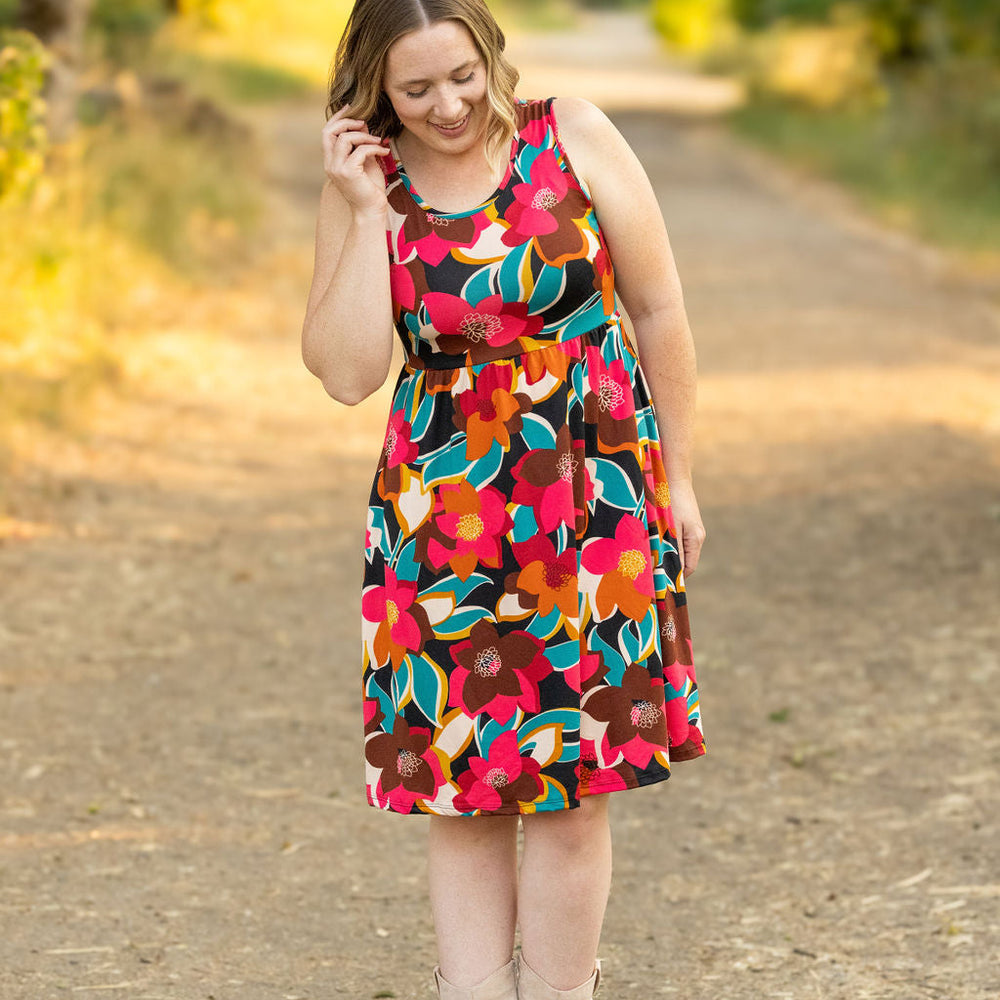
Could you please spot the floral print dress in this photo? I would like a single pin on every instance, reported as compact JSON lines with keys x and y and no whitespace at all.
{"x":525,"y":627}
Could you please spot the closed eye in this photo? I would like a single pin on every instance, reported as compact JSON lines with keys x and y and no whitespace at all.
{"x":420,"y":93}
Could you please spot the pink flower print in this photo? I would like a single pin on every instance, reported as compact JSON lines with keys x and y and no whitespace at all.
{"x":502,"y":779}
{"x":466,"y":528}
{"x":497,"y":674}
{"x":684,"y":737}
{"x":624,"y":565}
{"x":610,"y":385}
{"x":398,"y":448}
{"x":532,"y":214}
{"x":432,"y":237}
{"x":534,"y":132}
{"x":402,"y":625}
{"x":595,"y":779}
{"x":459,"y":326}
{"x":401,"y":286}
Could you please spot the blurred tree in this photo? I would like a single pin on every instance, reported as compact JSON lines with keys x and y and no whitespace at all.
{"x":125,"y":28}
{"x":23,"y":60}
{"x":59,"y":25}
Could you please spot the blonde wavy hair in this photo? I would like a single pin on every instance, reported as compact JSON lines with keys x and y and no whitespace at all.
{"x":359,"y":66}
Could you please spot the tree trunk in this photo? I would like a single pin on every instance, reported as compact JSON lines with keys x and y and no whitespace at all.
{"x":59,"y":25}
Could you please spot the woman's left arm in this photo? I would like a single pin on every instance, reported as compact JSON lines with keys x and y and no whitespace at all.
{"x":647,"y":282}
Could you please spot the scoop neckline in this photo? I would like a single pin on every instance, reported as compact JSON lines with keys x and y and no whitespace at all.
{"x":426,"y":207}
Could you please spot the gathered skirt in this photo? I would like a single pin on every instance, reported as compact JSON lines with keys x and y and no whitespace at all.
{"x":526,"y":640}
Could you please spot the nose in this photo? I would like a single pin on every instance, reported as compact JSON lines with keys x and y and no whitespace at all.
{"x":449,"y":107}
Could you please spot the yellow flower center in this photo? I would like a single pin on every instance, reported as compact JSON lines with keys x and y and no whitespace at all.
{"x":631,"y":563}
{"x":391,"y":612}
{"x":470,"y":527}
{"x":662,"y":495}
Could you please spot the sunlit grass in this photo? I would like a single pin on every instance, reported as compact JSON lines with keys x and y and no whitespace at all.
{"x":144,"y":207}
{"x":901,"y":166}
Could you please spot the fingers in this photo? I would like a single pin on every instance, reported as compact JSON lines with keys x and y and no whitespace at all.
{"x":348,"y":148}
{"x":690,"y":543}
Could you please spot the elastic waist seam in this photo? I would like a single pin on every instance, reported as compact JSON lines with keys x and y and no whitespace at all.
{"x":461,"y":361}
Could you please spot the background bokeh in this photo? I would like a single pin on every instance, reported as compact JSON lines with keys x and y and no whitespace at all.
{"x":182,"y":507}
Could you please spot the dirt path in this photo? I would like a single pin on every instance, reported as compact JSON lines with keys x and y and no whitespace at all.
{"x":179,"y":735}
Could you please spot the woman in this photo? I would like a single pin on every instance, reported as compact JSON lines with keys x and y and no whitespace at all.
{"x":526,"y":641}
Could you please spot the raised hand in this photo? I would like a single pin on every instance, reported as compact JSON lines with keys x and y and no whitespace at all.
{"x":349,"y":152}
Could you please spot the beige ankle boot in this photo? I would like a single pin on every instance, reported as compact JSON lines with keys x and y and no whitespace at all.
{"x":531,"y":986}
{"x":501,"y":985}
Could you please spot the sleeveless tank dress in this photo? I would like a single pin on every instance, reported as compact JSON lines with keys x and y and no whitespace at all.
{"x":525,"y":627}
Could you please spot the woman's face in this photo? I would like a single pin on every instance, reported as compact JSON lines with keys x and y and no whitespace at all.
{"x":436,"y":81}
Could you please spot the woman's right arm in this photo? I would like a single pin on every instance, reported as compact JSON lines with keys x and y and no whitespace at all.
{"x":347,"y":334}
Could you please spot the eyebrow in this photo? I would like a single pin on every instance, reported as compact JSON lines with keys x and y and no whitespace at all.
{"x":457,"y":69}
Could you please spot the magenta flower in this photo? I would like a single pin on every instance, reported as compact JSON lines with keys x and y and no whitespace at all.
{"x":398,"y":448}
{"x":432,"y":237}
{"x":401,"y":625}
{"x":624,"y":565}
{"x":503,"y":778}
{"x":595,"y":780}
{"x":401,"y":285}
{"x":458,"y":326}
{"x":531,"y":213}
{"x":552,"y":482}
{"x":610,"y":385}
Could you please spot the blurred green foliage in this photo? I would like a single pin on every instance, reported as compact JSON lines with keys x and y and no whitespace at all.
{"x":124,"y":29}
{"x":902,"y":29}
{"x":23,"y":61}
{"x":899,"y":98}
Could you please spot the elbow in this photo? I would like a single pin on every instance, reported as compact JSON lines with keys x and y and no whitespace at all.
{"x":345,"y":387}
{"x":349,"y":395}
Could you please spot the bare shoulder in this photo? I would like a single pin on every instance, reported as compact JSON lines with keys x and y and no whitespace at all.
{"x":580,"y":122}
{"x":590,"y":139}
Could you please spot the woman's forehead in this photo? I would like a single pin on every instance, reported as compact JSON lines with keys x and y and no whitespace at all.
{"x":430,"y":53}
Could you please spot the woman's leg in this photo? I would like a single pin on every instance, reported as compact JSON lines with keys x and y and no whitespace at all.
{"x":565,"y":880}
{"x":472,"y":875}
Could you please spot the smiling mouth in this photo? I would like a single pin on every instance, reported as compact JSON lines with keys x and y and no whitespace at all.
{"x":453,"y":127}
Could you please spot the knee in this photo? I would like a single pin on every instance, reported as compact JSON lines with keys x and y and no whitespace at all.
{"x":573,"y":832}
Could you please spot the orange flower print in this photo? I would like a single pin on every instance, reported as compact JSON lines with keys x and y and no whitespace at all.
{"x":402,"y":625}
{"x":489,"y":411}
{"x":546,"y":580}
{"x":552,"y":360}
{"x":624,"y":565}
{"x":657,"y":492}
{"x":466,"y":528}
